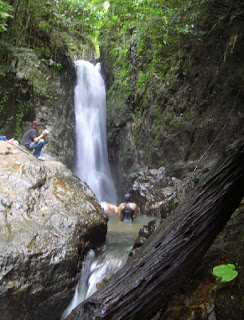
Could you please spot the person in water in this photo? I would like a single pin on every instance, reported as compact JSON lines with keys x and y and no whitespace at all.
{"x":108,"y":207}
{"x":127,"y":210}
{"x":34,"y":142}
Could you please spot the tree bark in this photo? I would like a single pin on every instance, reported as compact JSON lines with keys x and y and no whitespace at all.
{"x":166,"y":261}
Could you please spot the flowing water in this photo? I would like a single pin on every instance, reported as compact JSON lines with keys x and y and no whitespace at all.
{"x":92,"y":166}
{"x":102,"y":264}
{"x":91,"y":163}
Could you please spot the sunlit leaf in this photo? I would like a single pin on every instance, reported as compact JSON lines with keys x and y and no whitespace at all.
{"x":226,"y":272}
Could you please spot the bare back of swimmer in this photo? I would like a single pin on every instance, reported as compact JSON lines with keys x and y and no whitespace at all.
{"x":127,"y":210}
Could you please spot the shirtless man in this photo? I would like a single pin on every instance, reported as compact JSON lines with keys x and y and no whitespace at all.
{"x":127,"y":210}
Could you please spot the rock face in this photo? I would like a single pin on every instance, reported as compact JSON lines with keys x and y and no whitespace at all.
{"x":172,"y":119}
{"x":48,"y":220}
{"x":46,"y":96}
{"x":58,"y":116}
{"x":154,"y":191}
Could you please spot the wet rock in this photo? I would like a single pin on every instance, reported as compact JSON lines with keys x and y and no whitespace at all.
{"x":155,"y":191}
{"x":144,"y":234}
{"x":48,"y":220}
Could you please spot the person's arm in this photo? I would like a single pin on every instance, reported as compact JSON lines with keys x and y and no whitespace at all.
{"x":112,"y":207}
{"x":120,"y":208}
{"x":136,"y":212}
{"x":41,"y":136}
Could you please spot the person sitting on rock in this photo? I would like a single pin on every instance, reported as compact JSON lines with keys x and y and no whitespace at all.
{"x":33,"y":142}
{"x":108,"y":207}
{"x":127,"y":210}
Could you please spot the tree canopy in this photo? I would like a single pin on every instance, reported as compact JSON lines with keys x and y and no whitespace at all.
{"x":148,"y":39}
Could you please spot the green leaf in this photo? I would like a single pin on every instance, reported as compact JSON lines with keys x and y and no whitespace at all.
{"x":226,"y":272}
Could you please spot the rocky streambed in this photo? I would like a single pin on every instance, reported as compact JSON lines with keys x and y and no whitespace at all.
{"x":49,"y":219}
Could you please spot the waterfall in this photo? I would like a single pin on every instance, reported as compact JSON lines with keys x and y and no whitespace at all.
{"x":91,"y":165}
{"x":91,"y":161}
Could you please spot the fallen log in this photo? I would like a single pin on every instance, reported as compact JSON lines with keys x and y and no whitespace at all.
{"x":168,"y":258}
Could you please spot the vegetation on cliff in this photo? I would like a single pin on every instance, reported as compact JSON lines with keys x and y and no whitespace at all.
{"x":173,"y":70}
{"x":38,"y":41}
{"x":149,"y":49}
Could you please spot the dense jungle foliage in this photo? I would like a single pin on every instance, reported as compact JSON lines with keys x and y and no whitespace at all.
{"x":162,"y":61}
{"x":37,"y":40}
{"x":148,"y":39}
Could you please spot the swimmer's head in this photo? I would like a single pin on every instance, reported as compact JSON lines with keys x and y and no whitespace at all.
{"x":127,"y":197}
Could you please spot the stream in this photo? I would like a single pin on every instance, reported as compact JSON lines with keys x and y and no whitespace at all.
{"x":102,"y":264}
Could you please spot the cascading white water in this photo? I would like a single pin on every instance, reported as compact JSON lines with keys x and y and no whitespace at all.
{"x":91,"y":163}
{"x":92,"y":166}
{"x":100,"y":266}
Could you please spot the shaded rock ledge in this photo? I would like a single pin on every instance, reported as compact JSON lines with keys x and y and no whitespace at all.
{"x":48,"y":220}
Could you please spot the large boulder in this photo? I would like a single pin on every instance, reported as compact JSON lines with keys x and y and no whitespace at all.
{"x":49,"y":219}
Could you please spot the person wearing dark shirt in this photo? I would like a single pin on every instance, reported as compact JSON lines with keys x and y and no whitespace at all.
{"x":127,"y":210}
{"x":32,"y":141}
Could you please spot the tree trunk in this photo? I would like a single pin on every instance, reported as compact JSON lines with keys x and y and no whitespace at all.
{"x":166,"y":261}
